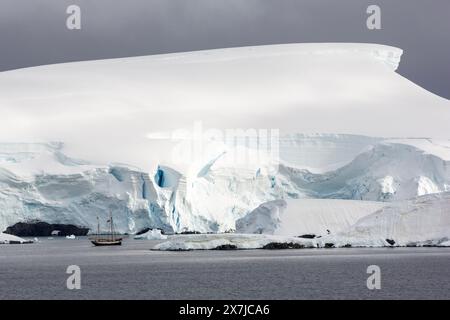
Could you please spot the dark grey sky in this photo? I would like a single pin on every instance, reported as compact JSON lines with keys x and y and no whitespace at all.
{"x":33,"y":32}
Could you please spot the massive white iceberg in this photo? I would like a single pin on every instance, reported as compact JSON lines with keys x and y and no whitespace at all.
{"x":117,"y":123}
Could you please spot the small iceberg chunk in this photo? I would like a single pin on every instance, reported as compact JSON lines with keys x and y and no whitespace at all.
{"x":153,"y":234}
{"x":10,"y":239}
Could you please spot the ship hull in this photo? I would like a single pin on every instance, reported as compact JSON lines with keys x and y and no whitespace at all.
{"x":100,"y":243}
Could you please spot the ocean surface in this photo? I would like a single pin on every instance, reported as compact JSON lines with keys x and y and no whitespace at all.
{"x":133,"y":271}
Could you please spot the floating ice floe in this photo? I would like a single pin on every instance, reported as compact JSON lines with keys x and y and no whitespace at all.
{"x":230,"y":241}
{"x":10,"y":239}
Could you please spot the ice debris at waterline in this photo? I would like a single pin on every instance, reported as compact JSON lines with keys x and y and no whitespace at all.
{"x":270,"y":242}
{"x":228,"y":240}
{"x":10,"y":239}
{"x":153,"y":234}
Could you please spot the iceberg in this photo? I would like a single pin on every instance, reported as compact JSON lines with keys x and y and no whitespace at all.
{"x":80,"y":140}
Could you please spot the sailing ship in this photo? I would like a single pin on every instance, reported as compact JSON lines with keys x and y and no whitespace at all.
{"x":109,"y":239}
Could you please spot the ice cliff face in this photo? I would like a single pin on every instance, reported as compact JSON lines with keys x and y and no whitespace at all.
{"x":116,"y":120}
{"x":39,"y":182}
{"x":387,"y":171}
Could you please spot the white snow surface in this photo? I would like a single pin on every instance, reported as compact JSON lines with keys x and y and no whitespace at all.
{"x":296,"y":217}
{"x":107,"y":109}
{"x":424,"y":220}
{"x":420,"y":221}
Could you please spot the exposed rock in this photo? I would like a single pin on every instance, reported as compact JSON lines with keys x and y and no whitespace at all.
{"x":283,"y":245}
{"x":390,"y":241}
{"x":189,"y":232}
{"x":226,"y":247}
{"x":142,"y":231}
{"x":145,"y":230}
{"x":44,"y":229}
{"x":20,"y":242}
{"x":307,"y":236}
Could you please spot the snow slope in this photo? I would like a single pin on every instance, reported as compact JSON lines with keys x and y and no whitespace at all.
{"x":296,"y":217}
{"x":424,"y":220}
{"x":420,"y":221}
{"x":107,"y":109}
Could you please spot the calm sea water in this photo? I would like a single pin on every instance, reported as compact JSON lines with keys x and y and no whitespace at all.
{"x":132,"y":271}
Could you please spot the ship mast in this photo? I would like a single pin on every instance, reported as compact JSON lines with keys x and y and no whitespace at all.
{"x":98,"y":227}
{"x":110,"y":226}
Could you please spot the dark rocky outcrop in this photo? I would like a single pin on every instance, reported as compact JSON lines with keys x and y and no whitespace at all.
{"x":147,"y":230}
{"x":226,"y":247}
{"x":390,"y":241}
{"x":142,"y":231}
{"x":329,"y":245}
{"x":283,"y":245}
{"x":307,"y":236}
{"x":44,"y":229}
{"x":20,"y":242}
{"x":191,"y":232}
